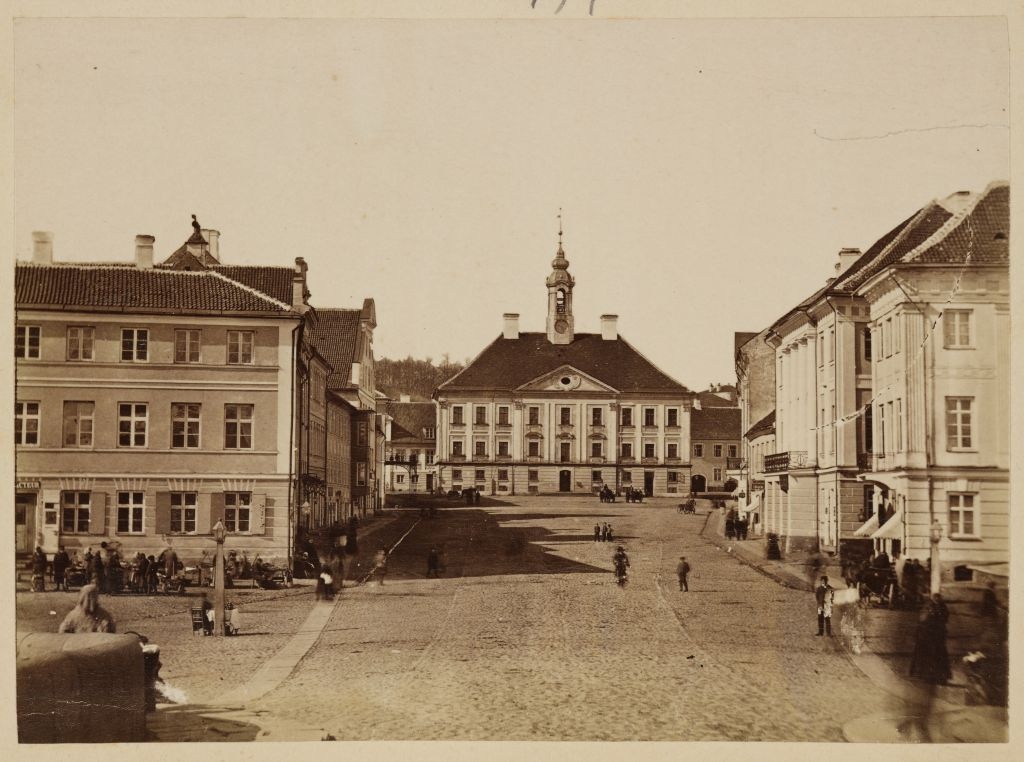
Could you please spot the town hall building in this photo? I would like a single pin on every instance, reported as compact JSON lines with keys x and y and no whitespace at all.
{"x":562,"y":411}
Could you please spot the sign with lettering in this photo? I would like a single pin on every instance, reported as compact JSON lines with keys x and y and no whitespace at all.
{"x":757,"y":485}
{"x":27,"y":484}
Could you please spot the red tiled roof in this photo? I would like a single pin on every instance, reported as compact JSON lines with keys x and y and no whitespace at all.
{"x":984,"y":233}
{"x":410,"y":418}
{"x":275,"y":282}
{"x":133,"y":288}
{"x":335,"y":334}
{"x":507,"y":364}
{"x":715,"y":423}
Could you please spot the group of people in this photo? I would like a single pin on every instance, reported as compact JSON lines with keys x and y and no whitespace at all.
{"x":634,"y":495}
{"x":105,"y":569}
{"x":602,"y":532}
{"x":736,"y":526}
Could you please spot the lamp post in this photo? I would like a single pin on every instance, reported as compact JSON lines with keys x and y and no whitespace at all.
{"x":219,"y":534}
{"x":936,"y":536}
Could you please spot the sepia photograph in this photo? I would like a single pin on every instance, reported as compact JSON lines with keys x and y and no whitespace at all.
{"x":545,"y":371}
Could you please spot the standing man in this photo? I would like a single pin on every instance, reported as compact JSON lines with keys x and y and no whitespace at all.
{"x":380,"y":565}
{"x":824,"y":594}
{"x":597,"y":533}
{"x":433,"y":562}
{"x":683,"y":571}
{"x":61,"y":562}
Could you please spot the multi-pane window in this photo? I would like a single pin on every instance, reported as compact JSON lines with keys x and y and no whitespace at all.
{"x":673,"y":477}
{"x":187,"y":342}
{"x":80,"y":342}
{"x":457,"y":447}
{"x":26,"y":342}
{"x":673,"y":416}
{"x":717,"y":475}
{"x":362,"y":433}
{"x":627,"y":477}
{"x":183,"y":512}
{"x":26,"y":423}
{"x":959,"y":435}
{"x":698,"y":450}
{"x":956,"y":328}
{"x":361,"y":474}
{"x":595,"y":476}
{"x":627,"y":416}
{"x":534,"y":415}
{"x":130,"y":508}
{"x":132,"y":420}
{"x":963,"y":519}
{"x":480,"y":448}
{"x":503,"y":416}
{"x":78,"y":423}
{"x":238,"y":427}
{"x":717,"y":450}
{"x":457,"y":414}
{"x":502,"y":474}
{"x":457,"y":474}
{"x":649,"y":450}
{"x":240,"y":345}
{"x":400,"y":478}
{"x":595,"y":449}
{"x":627,"y":450}
{"x":185,"y":424}
{"x":134,"y":344}
{"x":672,"y":450}
{"x":503,"y":447}
{"x":428,"y":456}
{"x":596,"y":418}
{"x":74,"y":512}
{"x":479,"y":474}
{"x":732,"y":451}
{"x":533,"y":448}
{"x":533,"y":475}
{"x":480,"y":415}
{"x":565,"y":415}
{"x":867,"y":344}
{"x":565,"y":452}
{"x":649,"y":416}
{"x":430,"y":432}
{"x":237,"y":507}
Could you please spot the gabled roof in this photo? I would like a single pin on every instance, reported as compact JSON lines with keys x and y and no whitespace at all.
{"x":715,"y":423}
{"x":124,"y":288}
{"x":184,"y":259}
{"x":273,"y":281}
{"x":507,"y":364}
{"x":410,"y":418}
{"x":765,"y":426}
{"x":335,"y":334}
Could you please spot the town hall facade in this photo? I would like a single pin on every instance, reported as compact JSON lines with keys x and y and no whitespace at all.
{"x":562,"y":411}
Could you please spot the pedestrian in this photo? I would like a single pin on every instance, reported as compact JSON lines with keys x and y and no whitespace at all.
{"x":610,"y":533}
{"x":930,"y":661}
{"x":207,"y":607}
{"x":597,"y":533}
{"x":324,"y":584}
{"x":683,"y":572}
{"x":824,"y":595}
{"x":142,"y":574}
{"x":88,"y":615}
{"x":38,"y":570}
{"x":476,"y":497}
{"x":380,"y":565}
{"x":151,"y":575}
{"x":433,"y":562}
{"x":97,"y":573}
{"x":604,"y":532}
{"x":61,"y":562}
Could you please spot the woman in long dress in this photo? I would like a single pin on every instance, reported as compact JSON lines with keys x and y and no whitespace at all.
{"x":88,"y":615}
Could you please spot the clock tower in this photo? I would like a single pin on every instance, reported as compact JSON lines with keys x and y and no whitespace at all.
{"x":560,"y":282}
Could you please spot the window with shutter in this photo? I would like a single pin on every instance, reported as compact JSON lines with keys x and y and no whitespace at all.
{"x":258,"y":514}
{"x":98,"y":513}
{"x":203,"y":523}
{"x":216,"y":509}
{"x":163,"y":513}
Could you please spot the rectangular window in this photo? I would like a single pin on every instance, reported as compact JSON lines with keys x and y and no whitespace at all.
{"x":237,"y":510}
{"x":898,"y":423}
{"x":959,"y":434}
{"x":595,"y":450}
{"x":361,"y":474}
{"x":565,"y":452}
{"x":534,"y":416}
{"x":533,"y":448}
{"x":183,"y":512}
{"x":428,"y":456}
{"x":732,"y":451}
{"x":881,"y":428}
{"x":595,"y":476}
{"x":457,"y":415}
{"x":503,"y":447}
{"x":963,"y":519}
{"x":627,"y":450}
{"x":78,"y":423}
{"x":185,"y":424}
{"x":698,"y":450}
{"x":503,"y":416}
{"x":627,"y":416}
{"x":887,"y":337}
{"x":457,"y":447}
{"x":502,"y":474}
{"x":240,"y":345}
{"x":718,"y":450}
{"x":186,"y":345}
{"x":400,"y":478}
{"x":480,"y":448}
{"x":479,"y":475}
{"x":362,"y":433}
{"x":238,"y":427}
{"x":565,"y":416}
{"x":627,"y":477}
{"x":869,"y":428}
{"x":832,"y":345}
{"x":481,"y":415}
{"x":867,"y":344}
{"x":649,"y":416}
{"x":673,"y":416}
{"x":80,"y":342}
{"x":134,"y":345}
{"x":956,"y":328}
{"x":717,"y":474}
{"x":26,"y":342}
{"x":672,"y":450}
{"x":74,"y":512}
{"x":649,"y":450}
{"x":896,"y":340}
{"x":673,"y":477}
{"x":457,"y":474}
{"x":130,"y":508}
{"x":430,"y":432}
{"x":821,"y":350}
{"x":132,"y":424}
{"x":596,"y":418}
{"x":533,"y":475}
{"x":26,"y":423}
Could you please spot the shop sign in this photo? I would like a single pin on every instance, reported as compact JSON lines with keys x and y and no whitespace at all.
{"x":28,"y":484}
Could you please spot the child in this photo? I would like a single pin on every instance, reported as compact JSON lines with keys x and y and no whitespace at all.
{"x":325,"y":585}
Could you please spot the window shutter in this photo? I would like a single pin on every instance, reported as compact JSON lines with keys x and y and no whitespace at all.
{"x":216,"y":508}
{"x":163,"y":513}
{"x":203,"y":524}
{"x":98,"y":513}
{"x":258,"y":514}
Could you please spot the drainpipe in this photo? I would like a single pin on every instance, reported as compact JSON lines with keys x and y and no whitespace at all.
{"x":835,"y":426}
{"x":291,"y":437}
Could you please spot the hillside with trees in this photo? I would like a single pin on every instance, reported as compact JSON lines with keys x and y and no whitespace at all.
{"x":417,"y":378}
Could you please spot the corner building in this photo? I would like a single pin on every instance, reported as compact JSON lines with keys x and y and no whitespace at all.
{"x":562,"y":412}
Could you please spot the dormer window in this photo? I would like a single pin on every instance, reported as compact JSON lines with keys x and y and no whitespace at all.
{"x":560,"y":301}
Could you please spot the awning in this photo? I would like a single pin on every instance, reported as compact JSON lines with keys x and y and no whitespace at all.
{"x":868,"y":526}
{"x":892,"y":529}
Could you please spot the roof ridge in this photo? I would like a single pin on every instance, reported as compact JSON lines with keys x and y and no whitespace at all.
{"x":250,"y":289}
{"x":896,"y":240}
{"x":620,"y":337}
{"x":948,"y":226}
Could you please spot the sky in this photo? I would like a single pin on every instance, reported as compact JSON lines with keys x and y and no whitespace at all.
{"x":707,"y":171}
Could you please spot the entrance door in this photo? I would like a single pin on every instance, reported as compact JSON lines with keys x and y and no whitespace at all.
{"x":649,"y":483}
{"x":24,"y":509}
{"x":564,"y":481}
{"x":698,"y":483}
{"x":430,"y":482}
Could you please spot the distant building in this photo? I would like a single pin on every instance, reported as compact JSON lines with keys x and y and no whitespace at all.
{"x":563,"y":411}
{"x":755,"y":384}
{"x":715,"y":437}
{"x":410,"y":464}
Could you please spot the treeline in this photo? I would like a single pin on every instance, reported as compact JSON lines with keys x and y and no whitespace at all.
{"x":417,"y":378}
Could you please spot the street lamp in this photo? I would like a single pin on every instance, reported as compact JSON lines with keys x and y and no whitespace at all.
{"x":219,"y":534}
{"x":936,"y":536}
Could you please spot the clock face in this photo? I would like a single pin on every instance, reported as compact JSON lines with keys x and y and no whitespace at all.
{"x":561,"y":326}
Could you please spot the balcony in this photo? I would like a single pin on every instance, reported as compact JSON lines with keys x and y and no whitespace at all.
{"x":734,"y":464}
{"x":779,"y":462}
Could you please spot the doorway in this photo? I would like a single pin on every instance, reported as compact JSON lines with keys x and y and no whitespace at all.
{"x":649,"y":483}
{"x":24,"y":511}
{"x":564,"y":481}
{"x":698,"y":483}
{"x":430,"y":483}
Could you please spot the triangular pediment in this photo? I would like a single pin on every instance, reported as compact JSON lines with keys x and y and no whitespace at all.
{"x":566,"y":379}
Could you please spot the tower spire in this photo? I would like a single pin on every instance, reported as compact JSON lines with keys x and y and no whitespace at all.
{"x":560,"y":283}
{"x":560,"y":231}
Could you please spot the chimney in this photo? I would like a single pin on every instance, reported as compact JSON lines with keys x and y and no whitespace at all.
{"x":42,"y":248}
{"x":404,"y":398}
{"x":511,"y":330}
{"x":609,"y":327}
{"x":213,"y":238}
{"x":144,"y":252}
{"x":299,"y":292}
{"x":846,"y":258}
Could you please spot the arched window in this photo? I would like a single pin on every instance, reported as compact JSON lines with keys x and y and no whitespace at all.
{"x":560,"y":301}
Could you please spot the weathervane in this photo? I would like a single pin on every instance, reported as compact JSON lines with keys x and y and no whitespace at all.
{"x":559,"y":227}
